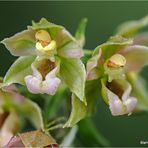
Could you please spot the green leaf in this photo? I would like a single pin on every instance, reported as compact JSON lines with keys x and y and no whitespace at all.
{"x":33,"y":112}
{"x":21,"y":44}
{"x":72,"y":72}
{"x":130,"y":28}
{"x":19,"y":69}
{"x":78,"y":112}
{"x":80,"y":33}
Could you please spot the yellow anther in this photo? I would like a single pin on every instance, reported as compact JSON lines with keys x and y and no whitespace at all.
{"x":49,"y":47}
{"x":43,"y":37}
{"x":116,"y":61}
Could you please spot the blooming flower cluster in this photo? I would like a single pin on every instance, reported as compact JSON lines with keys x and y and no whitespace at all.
{"x":49,"y":56}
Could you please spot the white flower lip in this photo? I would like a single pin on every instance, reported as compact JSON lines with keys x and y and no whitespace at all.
{"x":122,"y":106}
{"x":36,"y":84}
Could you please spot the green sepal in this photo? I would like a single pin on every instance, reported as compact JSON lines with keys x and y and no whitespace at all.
{"x":18,"y":70}
{"x":80,"y":32}
{"x":72,"y":72}
{"x":78,"y":112}
{"x":130,"y":28}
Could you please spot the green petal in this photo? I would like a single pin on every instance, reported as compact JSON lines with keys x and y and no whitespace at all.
{"x":71,"y":50}
{"x":92,"y":93}
{"x":113,"y":45}
{"x":130,"y":28}
{"x":72,"y":72}
{"x":19,"y":69}
{"x":136,"y":57}
{"x":141,"y":39}
{"x":80,"y":33}
{"x":21,"y":44}
{"x":32,"y":111}
{"x":78,"y":112}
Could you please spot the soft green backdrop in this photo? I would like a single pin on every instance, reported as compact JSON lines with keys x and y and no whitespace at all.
{"x":103,"y":17}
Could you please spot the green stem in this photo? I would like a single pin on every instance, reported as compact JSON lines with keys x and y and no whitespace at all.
{"x":55,"y":121}
{"x":138,"y":89}
{"x":88,"y":52}
{"x":55,"y":127}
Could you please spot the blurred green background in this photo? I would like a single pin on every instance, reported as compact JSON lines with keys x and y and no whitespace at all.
{"x":103,"y":17}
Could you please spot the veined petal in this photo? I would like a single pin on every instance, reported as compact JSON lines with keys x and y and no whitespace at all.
{"x":92,"y":65}
{"x":21,"y":44}
{"x":130,"y":28}
{"x":136,"y":57}
{"x":141,"y":39}
{"x":71,"y":50}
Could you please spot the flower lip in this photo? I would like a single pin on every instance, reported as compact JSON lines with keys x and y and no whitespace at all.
{"x":45,"y":67}
{"x":118,"y":97}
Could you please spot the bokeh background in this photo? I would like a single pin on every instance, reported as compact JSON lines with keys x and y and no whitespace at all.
{"x":103,"y":17}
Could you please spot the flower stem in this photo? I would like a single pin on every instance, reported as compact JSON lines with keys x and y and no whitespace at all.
{"x":88,"y":52}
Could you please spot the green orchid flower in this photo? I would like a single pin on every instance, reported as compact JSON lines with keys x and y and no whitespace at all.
{"x":112,"y":63}
{"x":12,"y":105}
{"x":49,"y":55}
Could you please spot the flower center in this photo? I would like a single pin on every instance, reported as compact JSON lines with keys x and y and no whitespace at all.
{"x":116,"y":61}
{"x":43,"y":37}
{"x":44,"y":43}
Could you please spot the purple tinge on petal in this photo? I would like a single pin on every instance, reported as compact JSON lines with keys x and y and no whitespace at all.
{"x":130,"y":104}
{"x":92,"y":64}
{"x":33,"y":84}
{"x":48,"y":86}
{"x":51,"y":82}
{"x":136,"y":57}
{"x":115,"y":104}
{"x":120,"y":102}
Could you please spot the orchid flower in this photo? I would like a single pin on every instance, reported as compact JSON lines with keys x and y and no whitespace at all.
{"x":12,"y":103}
{"x":49,"y":55}
{"x":111,"y":63}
